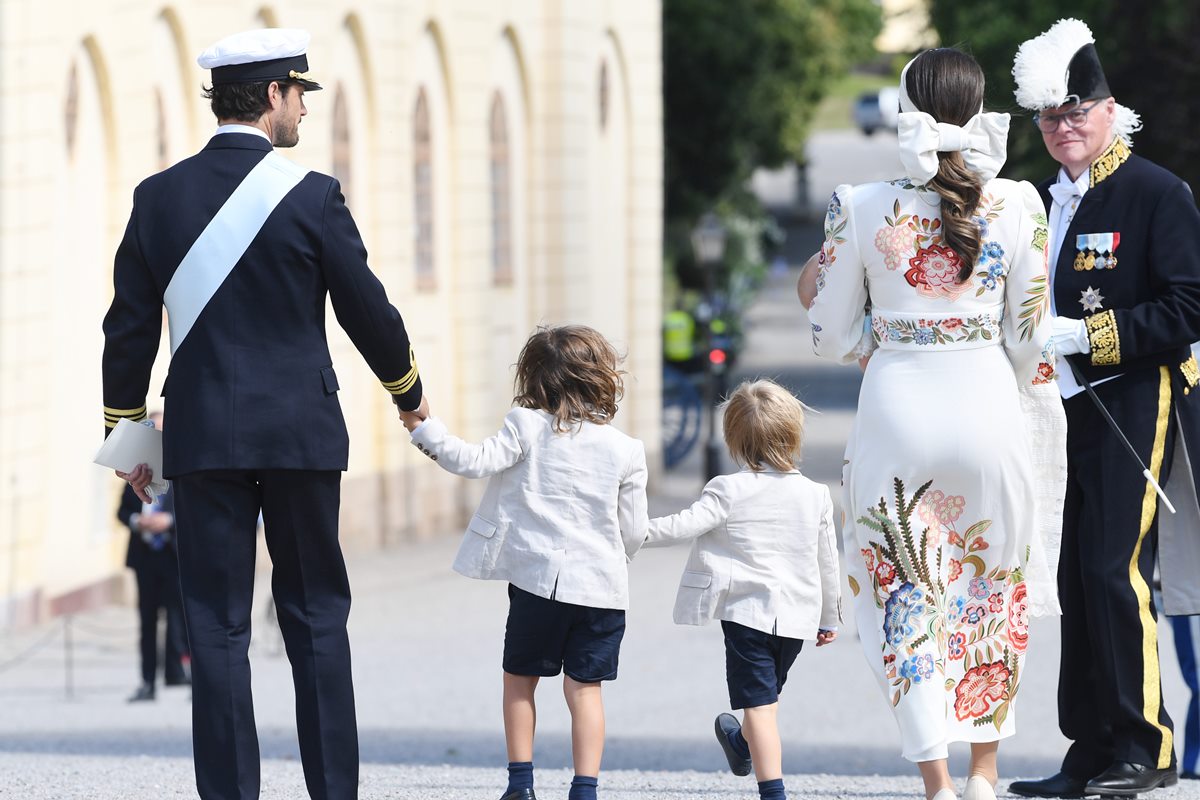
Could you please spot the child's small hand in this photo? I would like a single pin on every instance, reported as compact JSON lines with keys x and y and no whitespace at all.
{"x":825,"y":637}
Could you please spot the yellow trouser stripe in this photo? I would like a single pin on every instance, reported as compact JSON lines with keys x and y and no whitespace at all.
{"x":1151,"y":686}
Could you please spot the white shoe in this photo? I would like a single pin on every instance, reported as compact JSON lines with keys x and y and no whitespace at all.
{"x":978,"y":788}
{"x":945,"y":794}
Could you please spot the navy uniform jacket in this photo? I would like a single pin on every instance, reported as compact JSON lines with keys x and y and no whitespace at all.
{"x":252,"y":386}
{"x":1149,"y":316}
{"x":1150,"y":313}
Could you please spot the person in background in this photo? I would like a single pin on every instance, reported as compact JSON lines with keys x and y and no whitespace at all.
{"x":153,"y":560}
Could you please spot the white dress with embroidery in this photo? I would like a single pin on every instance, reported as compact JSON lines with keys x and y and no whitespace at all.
{"x":952,"y":489}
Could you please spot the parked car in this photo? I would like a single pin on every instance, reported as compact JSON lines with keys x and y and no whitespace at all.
{"x":876,"y":110}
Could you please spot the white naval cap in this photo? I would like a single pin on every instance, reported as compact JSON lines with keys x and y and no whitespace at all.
{"x":264,"y":54}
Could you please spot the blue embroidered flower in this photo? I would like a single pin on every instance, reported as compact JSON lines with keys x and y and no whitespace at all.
{"x":992,"y":250}
{"x":895,"y":335}
{"x":924,"y":336}
{"x":901,"y":613}
{"x":979,"y":588}
{"x":983,"y":226}
{"x":989,"y":282}
{"x":835,"y":210}
{"x":996,"y":271}
{"x":956,"y":607}
{"x":917,"y":668}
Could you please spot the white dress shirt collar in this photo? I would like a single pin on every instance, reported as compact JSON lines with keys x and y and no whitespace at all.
{"x":237,"y":128}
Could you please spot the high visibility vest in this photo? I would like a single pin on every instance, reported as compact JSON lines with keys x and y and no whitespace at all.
{"x":679,"y":334}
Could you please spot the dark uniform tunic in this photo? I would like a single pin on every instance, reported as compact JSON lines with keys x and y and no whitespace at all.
{"x":1145,"y":264}
{"x":254,"y":422}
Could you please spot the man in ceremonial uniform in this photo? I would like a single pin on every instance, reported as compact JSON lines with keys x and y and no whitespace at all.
{"x":242,"y":247}
{"x":1125,"y":276}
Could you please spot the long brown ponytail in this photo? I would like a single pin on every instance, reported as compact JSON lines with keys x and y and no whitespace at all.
{"x":948,"y":84}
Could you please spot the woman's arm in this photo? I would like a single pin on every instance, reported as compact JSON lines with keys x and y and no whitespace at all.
{"x":806,"y":287}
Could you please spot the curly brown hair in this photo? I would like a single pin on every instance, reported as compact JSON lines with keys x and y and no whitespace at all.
{"x":948,"y":85}
{"x":571,"y":372}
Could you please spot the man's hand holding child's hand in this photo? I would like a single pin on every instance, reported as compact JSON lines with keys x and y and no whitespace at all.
{"x":825,"y":637}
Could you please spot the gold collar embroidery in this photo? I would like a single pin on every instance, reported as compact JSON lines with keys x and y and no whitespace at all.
{"x":1104,"y":166}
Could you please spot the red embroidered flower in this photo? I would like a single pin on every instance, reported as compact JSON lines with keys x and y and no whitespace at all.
{"x":869,"y":558}
{"x":933,"y":266}
{"x":955,"y":568}
{"x":1045,"y":370}
{"x":955,"y":539}
{"x":1018,"y":619}
{"x":886,"y":573}
{"x":979,"y":688}
{"x":956,"y":647}
{"x":952,"y":324}
{"x":996,"y":603}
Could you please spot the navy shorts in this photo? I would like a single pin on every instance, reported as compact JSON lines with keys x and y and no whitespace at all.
{"x":756,"y":664}
{"x":543,"y":637}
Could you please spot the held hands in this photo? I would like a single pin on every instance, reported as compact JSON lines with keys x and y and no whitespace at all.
{"x":412,"y":419}
{"x":139,"y":479}
{"x":825,"y":637}
{"x":1070,"y":336}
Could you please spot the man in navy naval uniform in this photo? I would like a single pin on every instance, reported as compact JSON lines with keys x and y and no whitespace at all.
{"x":243,"y":247}
{"x":1125,"y":280}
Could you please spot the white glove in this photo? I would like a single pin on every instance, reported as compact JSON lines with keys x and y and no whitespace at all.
{"x":1069,"y":336}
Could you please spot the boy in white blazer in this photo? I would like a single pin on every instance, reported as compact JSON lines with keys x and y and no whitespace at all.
{"x":765,"y":563}
{"x":563,"y":513}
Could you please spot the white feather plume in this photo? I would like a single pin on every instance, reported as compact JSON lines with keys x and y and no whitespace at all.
{"x":1040,"y":66}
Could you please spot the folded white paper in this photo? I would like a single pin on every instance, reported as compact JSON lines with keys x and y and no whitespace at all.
{"x":130,"y":444}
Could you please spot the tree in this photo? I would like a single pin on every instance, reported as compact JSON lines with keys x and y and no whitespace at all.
{"x":741,"y":82}
{"x":1148,"y":56}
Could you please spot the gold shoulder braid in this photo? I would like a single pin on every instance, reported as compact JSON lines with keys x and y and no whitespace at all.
{"x":1106,"y":343}
{"x":1191,"y":374}
{"x":1104,"y":166}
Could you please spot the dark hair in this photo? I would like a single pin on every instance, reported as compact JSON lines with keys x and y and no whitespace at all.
{"x":947,"y":84}
{"x":570,"y":372}
{"x":245,"y":102}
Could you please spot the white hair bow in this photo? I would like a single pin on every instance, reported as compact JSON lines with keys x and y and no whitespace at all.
{"x":983,"y":142}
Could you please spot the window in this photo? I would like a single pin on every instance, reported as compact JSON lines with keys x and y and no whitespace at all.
{"x":423,"y":193}
{"x":71,"y":109}
{"x":502,"y":272}
{"x":341,"y":142}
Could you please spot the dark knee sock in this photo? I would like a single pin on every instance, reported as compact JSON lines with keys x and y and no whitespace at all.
{"x":583,"y":788}
{"x":740,"y":745}
{"x":520,"y":776}
{"x":771,"y":790}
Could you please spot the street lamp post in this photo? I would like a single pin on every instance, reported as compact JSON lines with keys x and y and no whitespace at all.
{"x":708,"y":244}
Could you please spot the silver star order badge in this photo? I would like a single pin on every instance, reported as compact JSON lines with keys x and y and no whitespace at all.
{"x":1091,"y":300}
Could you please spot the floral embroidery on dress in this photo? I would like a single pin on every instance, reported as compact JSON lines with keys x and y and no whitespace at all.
{"x":1037,"y":302}
{"x":1045,"y":370}
{"x":949,"y":330}
{"x":930,"y":618}
{"x":991,"y":266}
{"x":933,"y":271}
{"x":835,"y":226}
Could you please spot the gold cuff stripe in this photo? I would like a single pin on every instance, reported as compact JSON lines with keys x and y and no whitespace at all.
{"x":1105,"y":341}
{"x":404,"y":384}
{"x":124,"y":412}
{"x":1151,"y":678}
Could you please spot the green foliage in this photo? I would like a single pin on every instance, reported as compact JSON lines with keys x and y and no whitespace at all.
{"x":741,"y":82}
{"x":1148,"y":53}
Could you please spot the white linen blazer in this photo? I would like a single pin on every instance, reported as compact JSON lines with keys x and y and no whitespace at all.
{"x":765,"y":554}
{"x":562,"y":514}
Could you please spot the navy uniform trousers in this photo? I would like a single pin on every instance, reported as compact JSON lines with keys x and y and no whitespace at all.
{"x":217,"y":515}
{"x":1110,"y":693}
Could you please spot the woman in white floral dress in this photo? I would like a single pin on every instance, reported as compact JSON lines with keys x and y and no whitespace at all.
{"x":956,"y":460}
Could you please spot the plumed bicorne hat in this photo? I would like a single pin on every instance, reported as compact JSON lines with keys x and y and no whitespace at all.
{"x":265,"y":54}
{"x":1060,"y":67}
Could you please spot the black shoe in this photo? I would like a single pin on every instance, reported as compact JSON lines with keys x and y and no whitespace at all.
{"x":143,"y":693}
{"x":1190,"y":776}
{"x":520,"y":794}
{"x":178,"y":680}
{"x":1125,"y":779}
{"x":726,"y":726}
{"x":1058,"y":785}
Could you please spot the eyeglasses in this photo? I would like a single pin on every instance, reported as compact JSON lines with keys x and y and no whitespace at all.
{"x":1075,"y":118}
